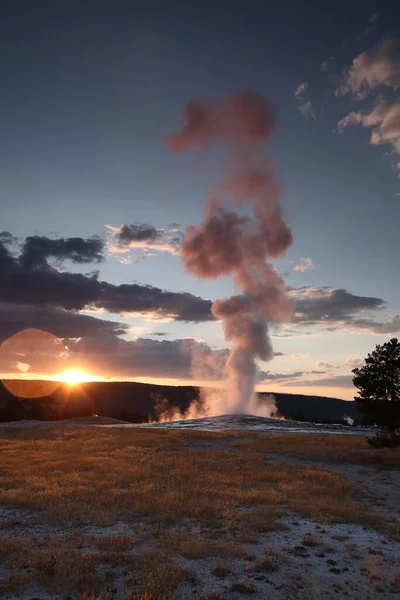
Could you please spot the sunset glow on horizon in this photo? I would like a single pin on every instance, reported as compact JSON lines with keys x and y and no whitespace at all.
{"x":76,"y":376}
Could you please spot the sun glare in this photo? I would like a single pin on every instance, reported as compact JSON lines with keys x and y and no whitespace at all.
{"x":74,"y":376}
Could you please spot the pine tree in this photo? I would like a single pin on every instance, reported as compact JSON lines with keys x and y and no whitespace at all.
{"x":378,"y":383}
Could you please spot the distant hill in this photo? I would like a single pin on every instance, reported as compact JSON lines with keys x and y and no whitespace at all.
{"x":314,"y":408}
{"x":136,"y":402}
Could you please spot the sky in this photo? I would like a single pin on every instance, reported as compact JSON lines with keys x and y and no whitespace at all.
{"x":94,"y":204}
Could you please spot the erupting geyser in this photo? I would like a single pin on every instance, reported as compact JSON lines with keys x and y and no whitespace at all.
{"x":231,"y":242}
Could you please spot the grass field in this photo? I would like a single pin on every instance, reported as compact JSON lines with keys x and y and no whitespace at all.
{"x":339,"y":448}
{"x":141,"y":506}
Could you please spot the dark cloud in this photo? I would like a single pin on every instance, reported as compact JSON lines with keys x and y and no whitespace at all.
{"x":267,"y":376}
{"x":145,"y":237}
{"x":7,"y":238}
{"x":344,"y":381}
{"x":178,"y":359}
{"x":37,"y":249}
{"x":41,"y":285}
{"x":181,"y":306}
{"x":62,"y":323}
{"x":391,"y":325}
{"x":6,"y":258}
{"x":28,"y":280}
{"x":338,"y":308}
{"x":335,"y":309}
{"x":139,"y":232}
{"x":324,"y":305}
{"x":46,"y":287}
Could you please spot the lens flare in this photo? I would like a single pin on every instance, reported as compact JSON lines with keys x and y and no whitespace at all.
{"x":27,"y":357}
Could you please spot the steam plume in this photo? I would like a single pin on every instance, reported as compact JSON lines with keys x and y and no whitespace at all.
{"x":229,"y":242}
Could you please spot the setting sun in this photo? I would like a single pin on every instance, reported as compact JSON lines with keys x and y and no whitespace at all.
{"x":74,"y":376}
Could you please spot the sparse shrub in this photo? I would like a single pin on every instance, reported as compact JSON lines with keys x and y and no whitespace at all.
{"x":222,"y":570}
{"x":113,"y":543}
{"x":300,"y":551}
{"x":47,"y":565}
{"x":269,"y":563}
{"x":243,"y":588}
{"x":311,"y":540}
{"x":383,"y":440}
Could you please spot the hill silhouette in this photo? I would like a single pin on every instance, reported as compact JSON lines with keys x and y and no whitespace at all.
{"x":136,"y":402}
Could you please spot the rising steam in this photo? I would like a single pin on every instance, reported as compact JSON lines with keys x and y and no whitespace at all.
{"x":231,"y":242}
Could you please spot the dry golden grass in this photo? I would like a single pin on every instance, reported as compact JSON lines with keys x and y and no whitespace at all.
{"x":222,"y":569}
{"x":197,"y":546}
{"x":340,"y":448}
{"x":107,"y":475}
{"x":150,"y":480}
{"x":270,"y":562}
{"x":111,"y":543}
{"x":51,"y":568}
{"x":311,"y":540}
{"x":44,"y":565}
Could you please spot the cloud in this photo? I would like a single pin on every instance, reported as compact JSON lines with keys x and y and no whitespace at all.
{"x":108,"y":355}
{"x":37,"y":249}
{"x":344,"y":381}
{"x":384,"y":120}
{"x":22,"y":367}
{"x":325,"y":305}
{"x":306,"y":109}
{"x":268,"y":376}
{"x":145,"y":237}
{"x":300,"y":355}
{"x":130,"y":234}
{"x":379,"y":66}
{"x":299,"y":91}
{"x":338,"y":309}
{"x":306,"y":264}
{"x":325,"y":64}
{"x":157,"y":303}
{"x":391,"y":325}
{"x":40,"y":285}
{"x":36,"y":283}
{"x":354,"y":362}
{"x":59,"y":322}
{"x":305,"y":106}
{"x":371,"y":27}
{"x":325,"y":366}
{"x":7,"y":238}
